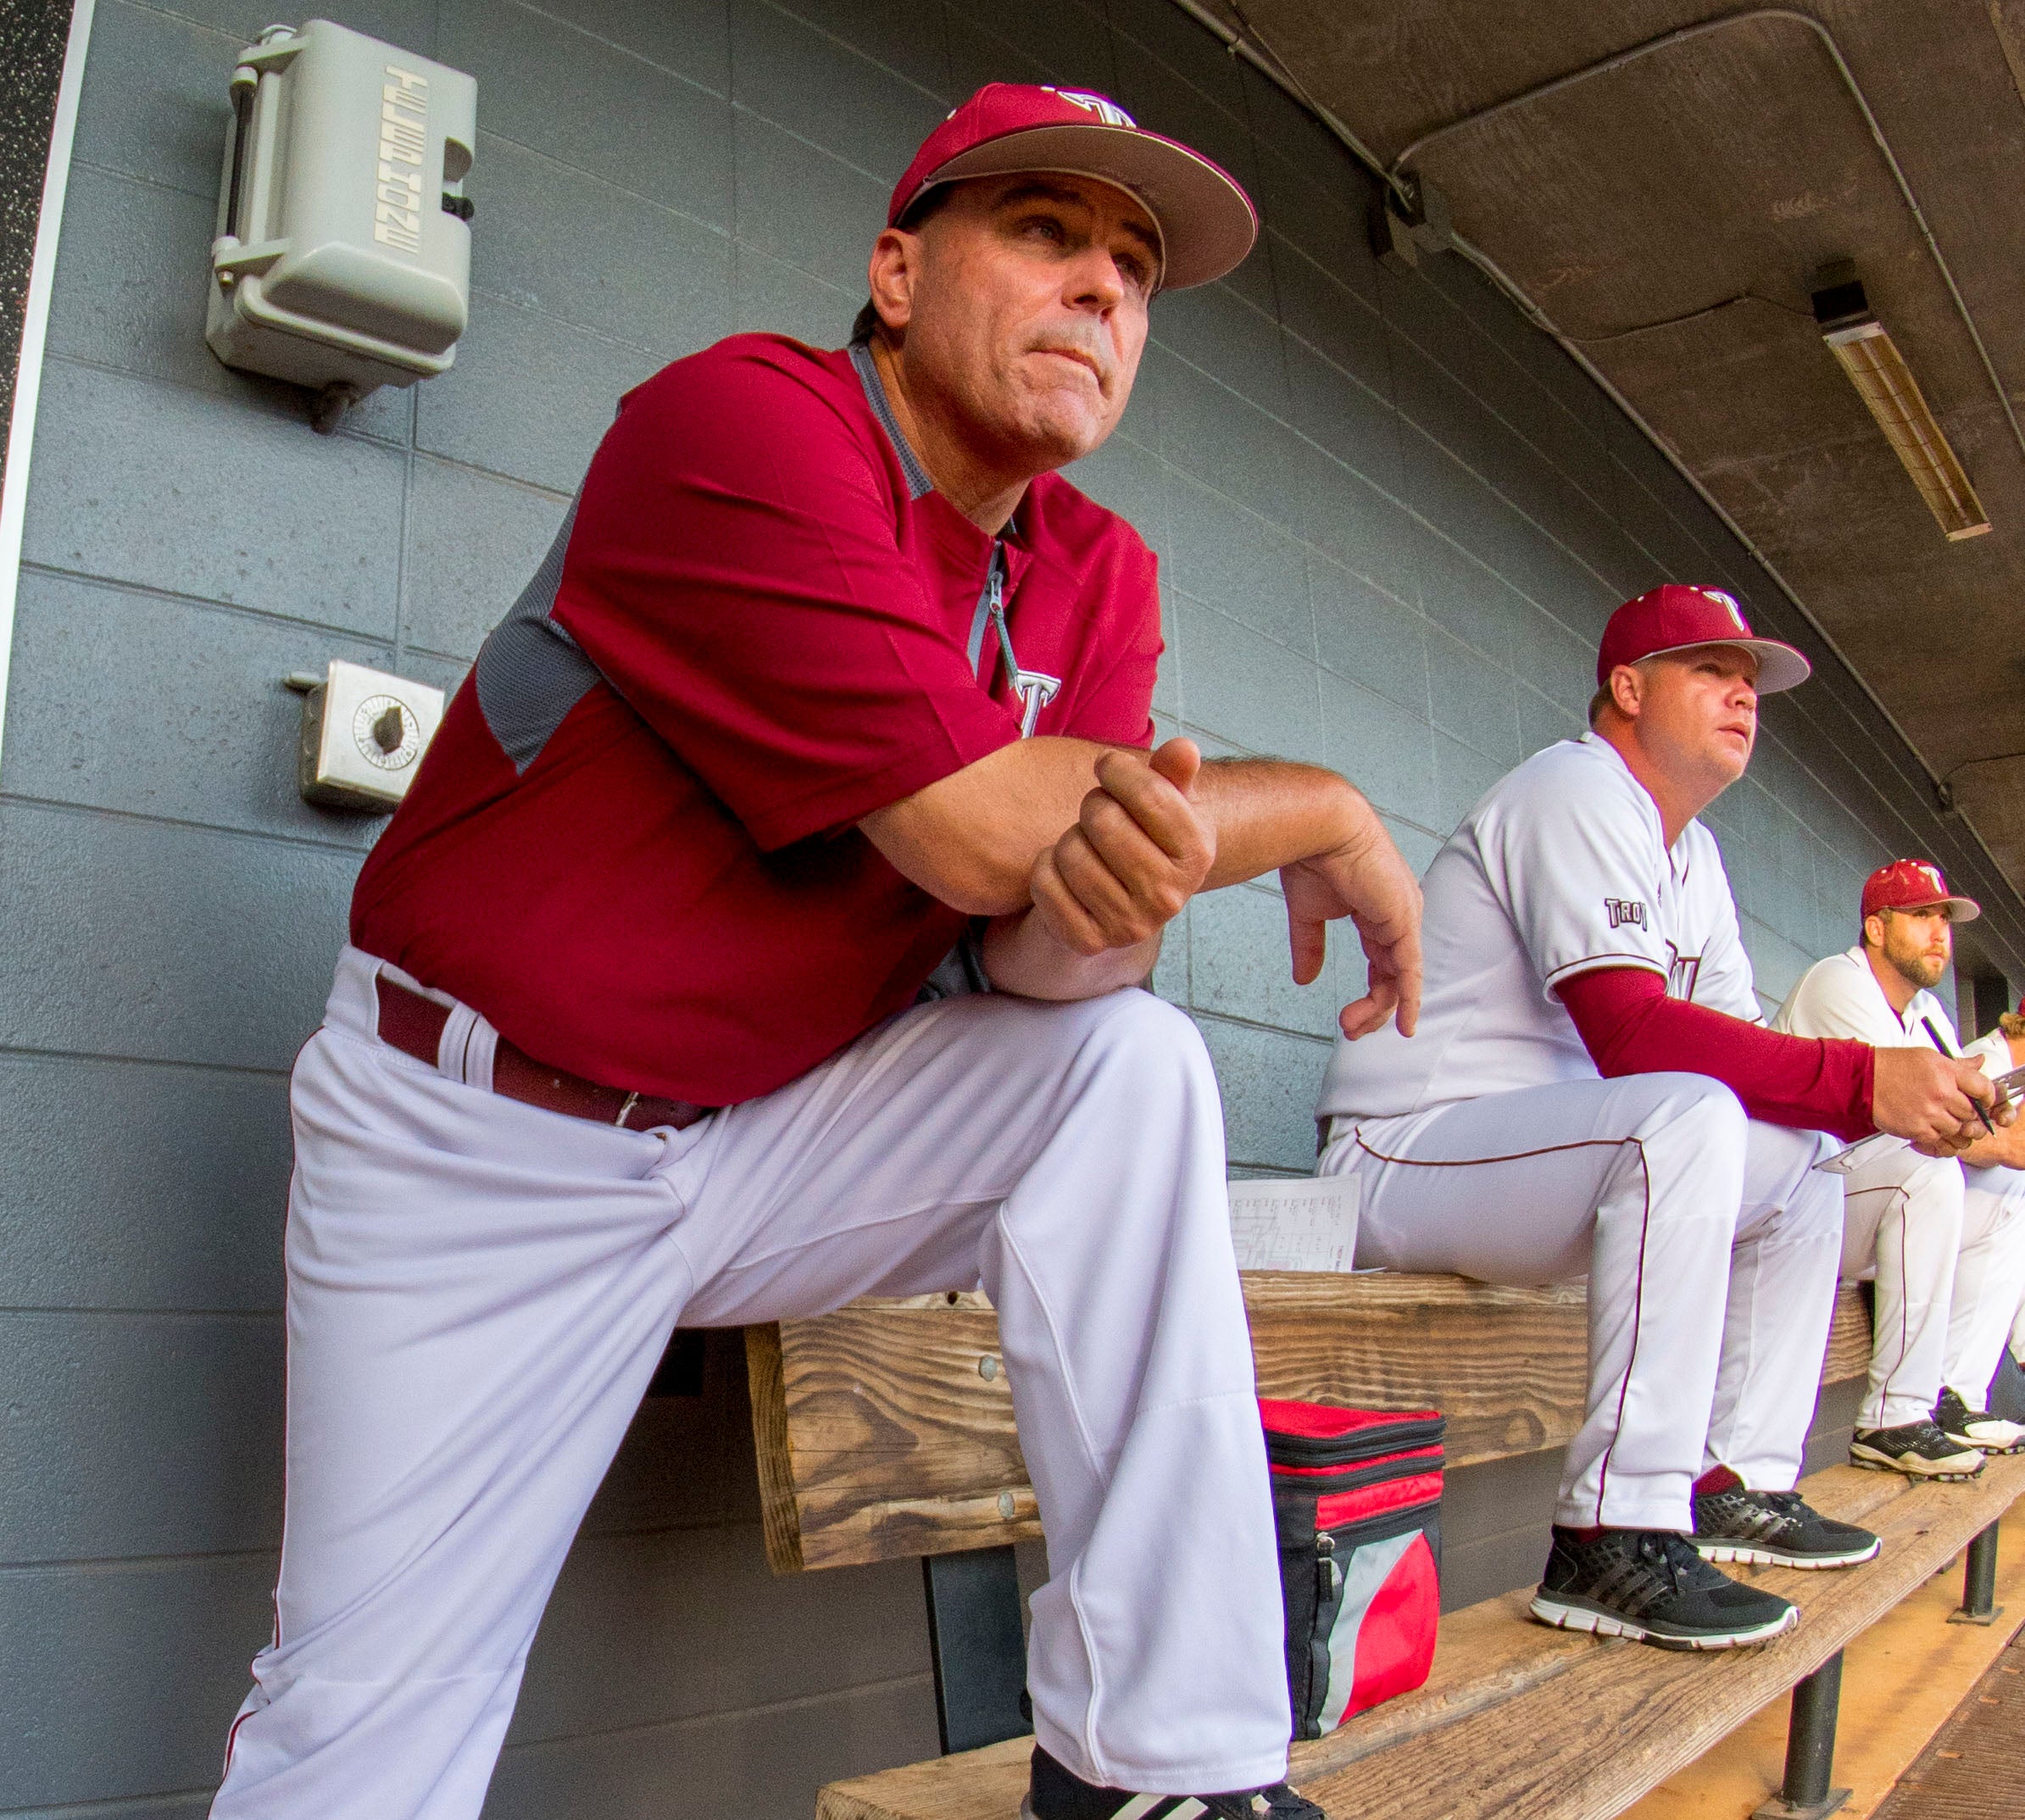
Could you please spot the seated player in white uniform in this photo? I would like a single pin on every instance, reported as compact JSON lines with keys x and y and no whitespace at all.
{"x":2005,"y":1046}
{"x":1590,"y":1092}
{"x":1949,"y":1268}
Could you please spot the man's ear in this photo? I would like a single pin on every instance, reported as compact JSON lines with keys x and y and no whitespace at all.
{"x":1873,"y":931}
{"x":894,"y":268}
{"x":1627,"y":691}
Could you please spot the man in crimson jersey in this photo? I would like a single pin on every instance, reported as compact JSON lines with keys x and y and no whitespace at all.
{"x":829,"y":685}
{"x":1591,"y":1093}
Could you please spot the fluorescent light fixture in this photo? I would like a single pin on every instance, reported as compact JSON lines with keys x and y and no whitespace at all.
{"x":1865,"y":352}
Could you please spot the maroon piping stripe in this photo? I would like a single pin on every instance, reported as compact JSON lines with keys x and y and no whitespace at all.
{"x":1644,"y":1232}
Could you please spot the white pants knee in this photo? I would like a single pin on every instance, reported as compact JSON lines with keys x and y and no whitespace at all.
{"x":478,"y":1292}
{"x":1989,"y":1279}
{"x":1709,"y":1240}
{"x":1902,"y":1218}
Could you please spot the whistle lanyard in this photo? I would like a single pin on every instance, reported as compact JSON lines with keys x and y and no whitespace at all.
{"x":1035,"y":688}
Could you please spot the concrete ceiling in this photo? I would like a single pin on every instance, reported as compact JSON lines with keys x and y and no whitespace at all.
{"x":1730,"y":167}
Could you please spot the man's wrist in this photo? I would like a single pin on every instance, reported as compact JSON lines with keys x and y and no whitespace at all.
{"x":1269,"y":813}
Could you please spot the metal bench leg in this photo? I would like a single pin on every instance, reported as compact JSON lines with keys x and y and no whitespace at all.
{"x":976,"y":1646}
{"x":1809,"y":1750}
{"x":1979,"y":1582}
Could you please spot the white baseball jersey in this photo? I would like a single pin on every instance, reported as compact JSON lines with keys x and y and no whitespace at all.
{"x":1562,"y":868}
{"x":1840,"y":997}
{"x":1946,"y":1242}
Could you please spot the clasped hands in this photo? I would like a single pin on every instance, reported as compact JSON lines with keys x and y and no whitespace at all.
{"x":1147,"y":839}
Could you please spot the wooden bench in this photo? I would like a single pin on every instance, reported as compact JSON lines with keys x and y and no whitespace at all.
{"x":886,"y":1430}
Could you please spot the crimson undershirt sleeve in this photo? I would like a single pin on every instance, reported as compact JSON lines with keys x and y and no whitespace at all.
{"x":1630,"y":1026}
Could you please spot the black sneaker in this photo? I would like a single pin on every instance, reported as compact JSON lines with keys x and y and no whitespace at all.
{"x":1649,"y":1584}
{"x":1917,"y":1448}
{"x":1977,"y":1428}
{"x":1776,"y":1528}
{"x":1054,"y":1793}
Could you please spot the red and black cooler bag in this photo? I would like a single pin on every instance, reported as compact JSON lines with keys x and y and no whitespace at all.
{"x":1356,"y":1497}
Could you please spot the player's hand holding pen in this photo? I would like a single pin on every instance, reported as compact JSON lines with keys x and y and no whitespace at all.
{"x":1942,"y":1104}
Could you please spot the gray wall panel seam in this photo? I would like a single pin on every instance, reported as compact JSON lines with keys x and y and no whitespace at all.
{"x":345,"y":436}
{"x":612,"y":44}
{"x":106,"y":1566}
{"x":238,"y":609}
{"x":68,"y":1310}
{"x":25,"y":1052}
{"x":850,"y":49}
{"x":526,"y":308}
{"x":688,"y":1722}
{"x":604,"y":182}
{"x":140,"y":179}
{"x":1237,"y":1022}
{"x":46,"y":805}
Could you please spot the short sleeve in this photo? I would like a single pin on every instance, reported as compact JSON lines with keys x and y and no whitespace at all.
{"x":736,"y":575}
{"x":1835,"y":999}
{"x":1573,"y":869}
{"x":1724,"y":981}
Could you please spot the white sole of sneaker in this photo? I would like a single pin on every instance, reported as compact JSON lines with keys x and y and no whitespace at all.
{"x":1773,"y":1557}
{"x":1566,"y":1617}
{"x":1970,"y":1444}
{"x":1913,"y":1467}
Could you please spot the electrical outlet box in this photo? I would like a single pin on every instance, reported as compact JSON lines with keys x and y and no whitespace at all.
{"x":364,"y":733}
{"x":343,"y":251}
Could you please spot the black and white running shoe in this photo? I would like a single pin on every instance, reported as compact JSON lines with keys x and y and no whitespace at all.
{"x":1775,"y":1528}
{"x":1977,"y":1428}
{"x":1917,"y":1448}
{"x":1651,"y":1584}
{"x":1054,"y":1793}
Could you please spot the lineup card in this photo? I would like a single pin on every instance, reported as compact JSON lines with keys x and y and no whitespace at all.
{"x":1306,"y":1223}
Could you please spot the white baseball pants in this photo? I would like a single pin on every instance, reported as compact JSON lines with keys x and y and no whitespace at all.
{"x":479,"y":1291}
{"x":1948,"y":1263}
{"x":1989,"y":1279}
{"x":1710,"y":1243}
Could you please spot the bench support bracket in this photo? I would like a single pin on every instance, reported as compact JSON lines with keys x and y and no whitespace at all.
{"x":1979,"y":1582}
{"x":976,"y":1646}
{"x":1805,"y":1794}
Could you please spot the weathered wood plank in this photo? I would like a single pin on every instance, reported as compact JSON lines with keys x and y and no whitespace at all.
{"x":888,"y":1427}
{"x":1560,"y":1726}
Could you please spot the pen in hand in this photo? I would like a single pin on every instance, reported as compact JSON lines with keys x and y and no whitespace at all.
{"x":1934,"y":1036}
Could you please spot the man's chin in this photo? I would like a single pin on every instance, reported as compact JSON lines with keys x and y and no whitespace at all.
{"x":1059,"y":438}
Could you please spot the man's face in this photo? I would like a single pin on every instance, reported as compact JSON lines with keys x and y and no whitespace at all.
{"x":1918,"y":943}
{"x":1025,"y":312}
{"x":1697,"y":714}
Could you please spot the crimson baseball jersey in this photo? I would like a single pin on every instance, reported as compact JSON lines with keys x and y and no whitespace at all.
{"x":632,"y":844}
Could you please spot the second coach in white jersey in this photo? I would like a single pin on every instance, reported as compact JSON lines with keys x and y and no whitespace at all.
{"x":1591,"y":1092}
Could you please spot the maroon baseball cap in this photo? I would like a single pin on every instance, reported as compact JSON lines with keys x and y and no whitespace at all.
{"x":1206,"y":221}
{"x":1675,"y":617}
{"x":1914,"y":884}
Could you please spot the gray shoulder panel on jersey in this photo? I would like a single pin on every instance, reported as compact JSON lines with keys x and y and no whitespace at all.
{"x":530,"y":672}
{"x":875,"y":395}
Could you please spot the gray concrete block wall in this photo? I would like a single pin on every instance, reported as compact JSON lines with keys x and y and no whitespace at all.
{"x":1392,"y":519}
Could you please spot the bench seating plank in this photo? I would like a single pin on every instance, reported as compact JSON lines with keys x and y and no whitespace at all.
{"x":879,"y":1437}
{"x":1561,"y":1726}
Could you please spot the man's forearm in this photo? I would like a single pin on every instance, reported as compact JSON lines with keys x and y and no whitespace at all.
{"x":971,"y":838}
{"x":1269,"y":813}
{"x":1022,"y":956}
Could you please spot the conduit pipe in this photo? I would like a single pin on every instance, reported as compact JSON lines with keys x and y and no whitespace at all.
{"x":1252,"y":47}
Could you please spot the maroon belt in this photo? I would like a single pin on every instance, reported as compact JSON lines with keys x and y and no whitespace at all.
{"x":414,"y":1024}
